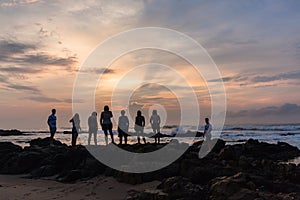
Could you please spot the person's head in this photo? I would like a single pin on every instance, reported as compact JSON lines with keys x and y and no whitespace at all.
{"x":122,"y":112}
{"x":53,"y":111}
{"x":207,"y":120}
{"x":154,"y":112}
{"x":139,"y":113}
{"x":94,"y":114}
{"x":106,"y":108}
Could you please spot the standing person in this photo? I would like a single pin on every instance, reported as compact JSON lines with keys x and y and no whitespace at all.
{"x":207,"y":130}
{"x":93,"y":127}
{"x":106,"y":123}
{"x":139,"y":126}
{"x":123,"y":126}
{"x":75,"y":128}
{"x":52,"y":125}
{"x":155,"y":124}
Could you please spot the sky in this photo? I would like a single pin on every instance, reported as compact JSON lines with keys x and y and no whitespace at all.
{"x":255,"y":45}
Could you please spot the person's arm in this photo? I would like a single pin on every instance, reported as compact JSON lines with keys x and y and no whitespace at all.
{"x":151,"y":119}
{"x":119,"y":121}
{"x":71,"y":120}
{"x":79,"y":127}
{"x":101,"y":118}
{"x":143,"y":122}
{"x":48,"y":121}
{"x":158,"y":119}
{"x":127,"y":123}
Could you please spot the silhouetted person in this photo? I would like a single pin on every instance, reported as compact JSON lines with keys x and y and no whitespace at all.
{"x":155,"y":124}
{"x":139,"y":126}
{"x":75,"y":128}
{"x":93,"y":127}
{"x":52,"y":125}
{"x":123,"y":126}
{"x":207,"y":130}
{"x":106,"y":123}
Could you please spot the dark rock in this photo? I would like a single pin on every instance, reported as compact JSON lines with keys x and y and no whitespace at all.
{"x":10,"y":132}
{"x":146,"y":195}
{"x":129,"y":178}
{"x":44,"y":171}
{"x":228,"y":153}
{"x":45,"y":142}
{"x":8,"y":147}
{"x":253,"y":170}
{"x":180,"y":187}
{"x":220,"y":144}
{"x":71,"y":176}
{"x":238,"y":186}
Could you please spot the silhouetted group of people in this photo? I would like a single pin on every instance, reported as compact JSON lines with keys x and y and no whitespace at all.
{"x":107,"y":125}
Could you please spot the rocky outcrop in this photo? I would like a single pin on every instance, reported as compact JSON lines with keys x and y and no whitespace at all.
{"x":10,"y":132}
{"x":254,"y":170}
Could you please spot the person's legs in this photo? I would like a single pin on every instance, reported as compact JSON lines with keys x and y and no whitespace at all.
{"x":142,"y":132}
{"x":95,"y":137}
{"x":158,"y":135}
{"x":73,"y":139}
{"x":120,"y":135}
{"x":111,"y":135}
{"x":52,"y":133}
{"x":207,"y":139}
{"x":137,"y":131}
{"x":89,"y":138}
{"x":154,"y":134}
{"x":138,"y":138}
{"x":125,"y":139}
{"x":105,"y":135}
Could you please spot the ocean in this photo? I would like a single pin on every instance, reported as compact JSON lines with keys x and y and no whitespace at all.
{"x":231,"y":134}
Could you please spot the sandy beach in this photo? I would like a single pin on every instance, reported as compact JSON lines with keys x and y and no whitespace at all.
{"x":242,"y":171}
{"x":15,"y":187}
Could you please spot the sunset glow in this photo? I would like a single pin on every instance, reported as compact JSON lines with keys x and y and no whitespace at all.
{"x":43,"y":44}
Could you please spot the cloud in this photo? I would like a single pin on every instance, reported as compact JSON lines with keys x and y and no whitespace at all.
{"x":20,"y":70}
{"x":284,"y":110}
{"x":3,"y":79}
{"x":259,"y":81}
{"x":236,"y":78}
{"x":47,"y":60}
{"x":43,"y":99}
{"x":224,"y":79}
{"x":23,"y":88}
{"x":98,"y":71}
{"x":73,"y":100}
{"x":278,"y":77}
{"x":30,"y":55}
{"x":9,"y":47}
{"x":13,"y":3}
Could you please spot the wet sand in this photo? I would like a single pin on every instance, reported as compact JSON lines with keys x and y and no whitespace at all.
{"x":101,"y":187}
